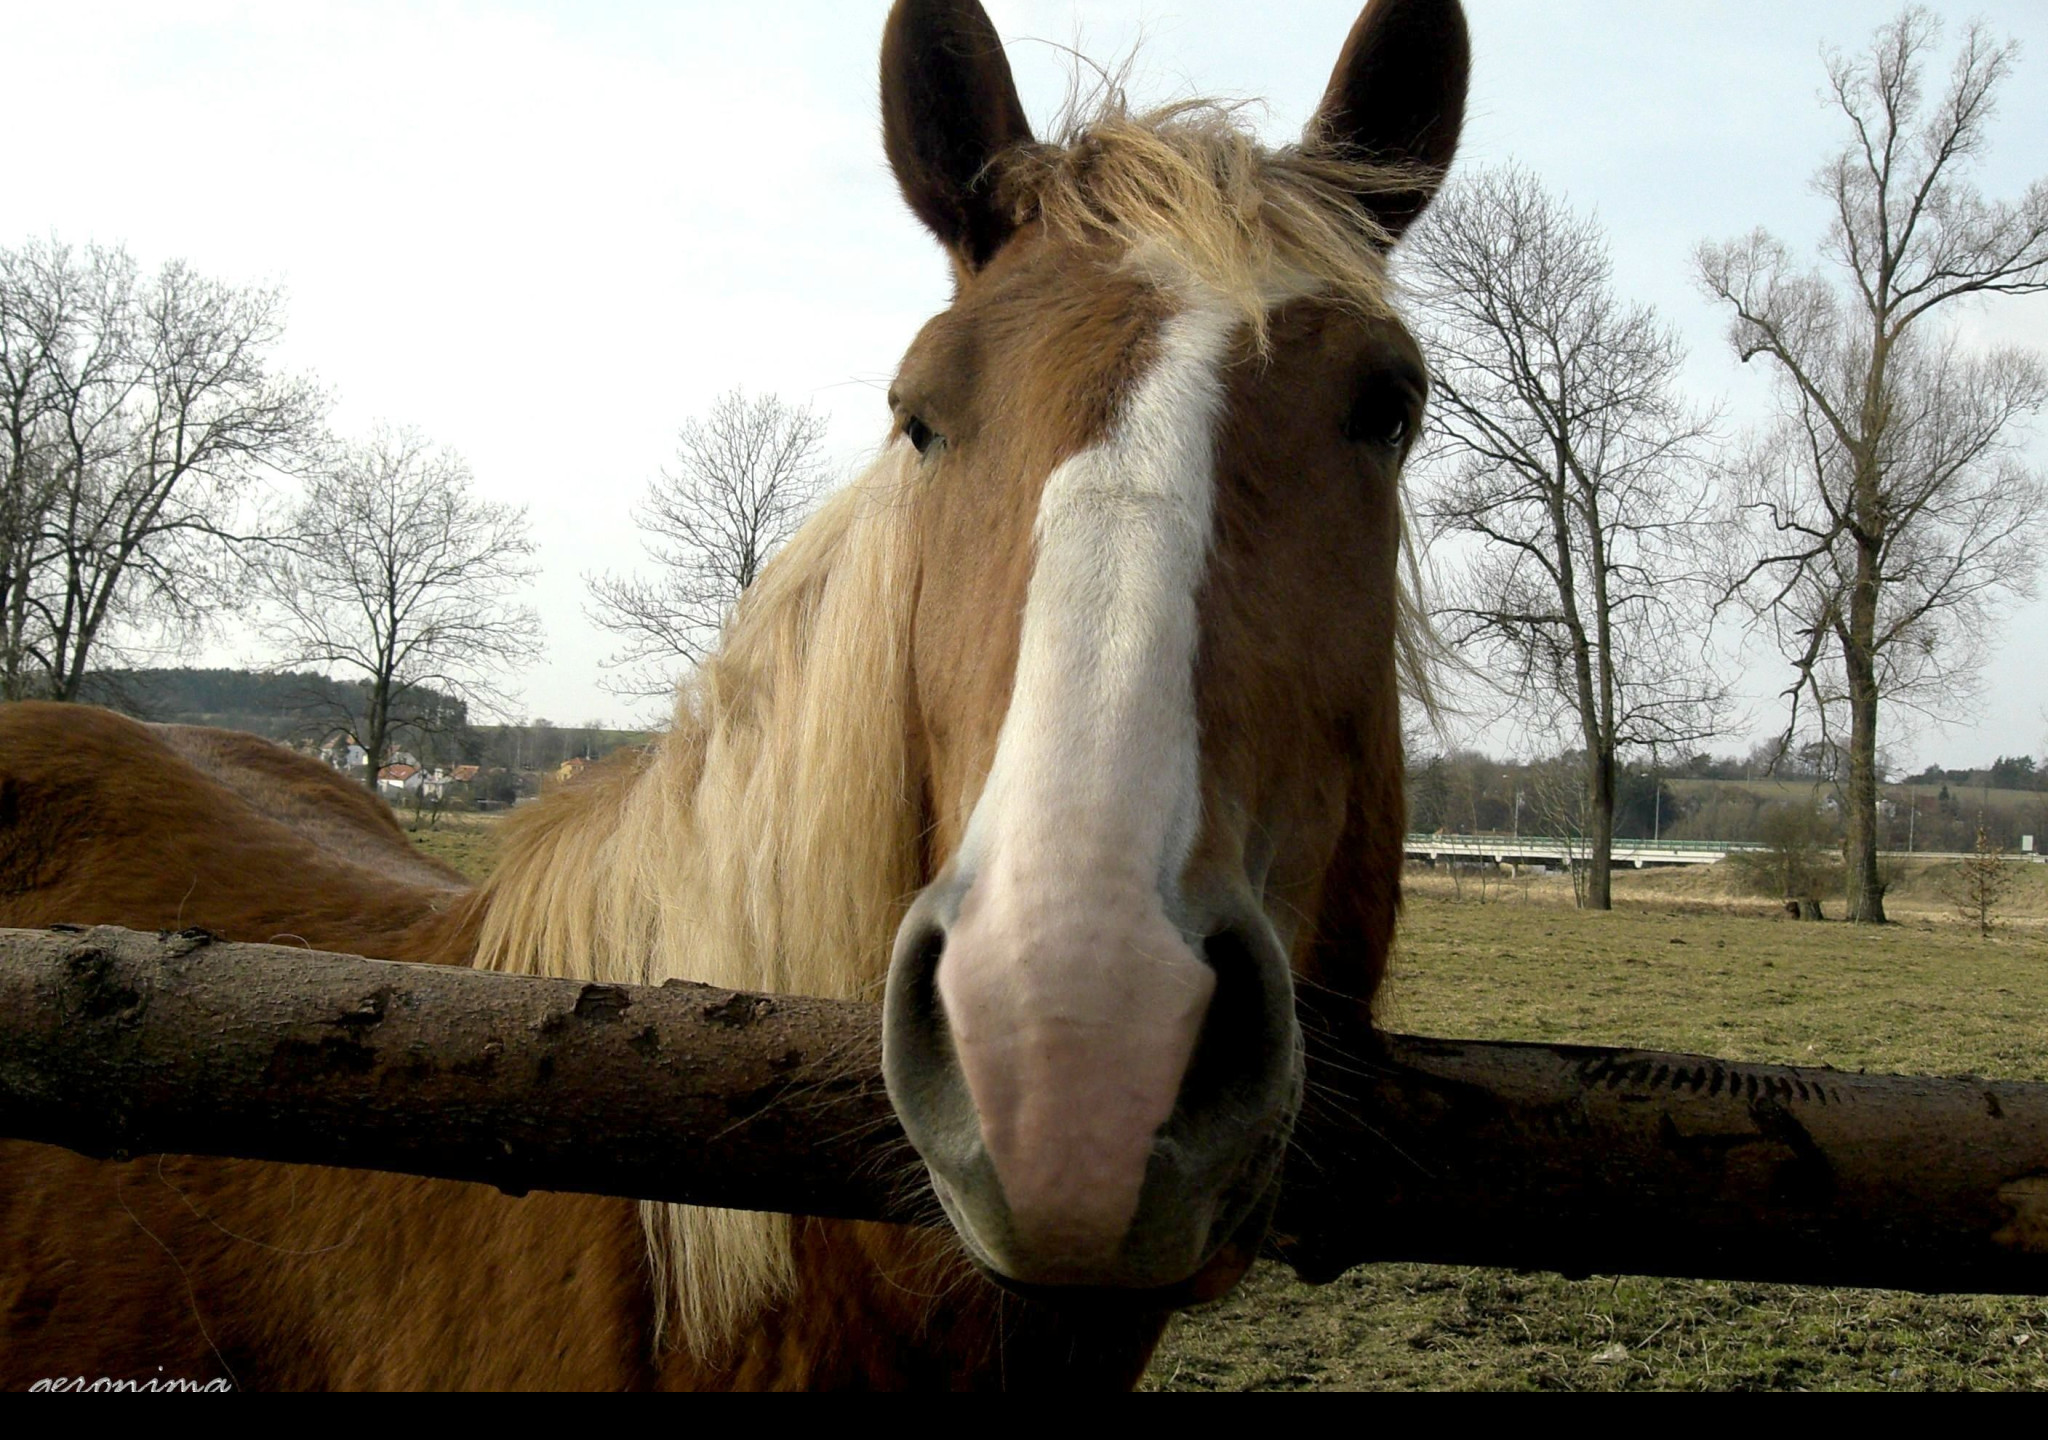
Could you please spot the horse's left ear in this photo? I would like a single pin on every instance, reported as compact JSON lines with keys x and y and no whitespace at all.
{"x":1398,"y":97}
{"x":949,"y":107}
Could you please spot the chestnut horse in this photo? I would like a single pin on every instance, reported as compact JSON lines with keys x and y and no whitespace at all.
{"x":1070,"y":730}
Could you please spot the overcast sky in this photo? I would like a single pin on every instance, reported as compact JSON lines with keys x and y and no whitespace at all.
{"x":546,"y":233}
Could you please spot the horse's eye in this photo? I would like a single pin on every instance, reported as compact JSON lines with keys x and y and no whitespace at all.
{"x":1379,"y":418}
{"x":920,"y":434}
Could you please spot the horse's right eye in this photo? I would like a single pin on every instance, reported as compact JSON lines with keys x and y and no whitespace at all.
{"x":1379,"y":417}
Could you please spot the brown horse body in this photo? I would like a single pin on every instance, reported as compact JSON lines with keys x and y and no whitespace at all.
{"x":272,"y":1276}
{"x":1071,"y":730}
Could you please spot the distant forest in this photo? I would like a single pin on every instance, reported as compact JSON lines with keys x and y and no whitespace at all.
{"x":303,"y":710}
{"x":290,"y":708}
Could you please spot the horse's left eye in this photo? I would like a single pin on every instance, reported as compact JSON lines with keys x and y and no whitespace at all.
{"x":920,"y":435}
{"x":1380,"y":418}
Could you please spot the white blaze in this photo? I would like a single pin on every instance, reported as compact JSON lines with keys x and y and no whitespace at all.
{"x":1101,"y":728}
{"x":1074,"y":1000}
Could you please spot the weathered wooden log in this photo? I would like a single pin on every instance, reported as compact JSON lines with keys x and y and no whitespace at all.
{"x":114,"y":1043}
{"x":1588,"y":1160}
{"x":1564,"y":1158}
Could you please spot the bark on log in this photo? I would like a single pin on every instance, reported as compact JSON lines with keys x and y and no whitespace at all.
{"x":1563,"y":1158}
{"x":1586,"y":1160}
{"x":119,"y":1044}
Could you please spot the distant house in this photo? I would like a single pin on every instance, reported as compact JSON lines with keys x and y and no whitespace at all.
{"x":344,"y":754}
{"x":465,"y":774}
{"x":396,"y":781}
{"x":569,"y":769}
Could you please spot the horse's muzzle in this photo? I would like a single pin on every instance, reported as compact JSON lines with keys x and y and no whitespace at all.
{"x":1089,"y":1136}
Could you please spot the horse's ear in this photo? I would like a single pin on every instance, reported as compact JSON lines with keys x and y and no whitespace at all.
{"x":1398,"y":97}
{"x":949,"y":107}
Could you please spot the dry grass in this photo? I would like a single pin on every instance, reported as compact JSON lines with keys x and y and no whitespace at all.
{"x":1413,"y":1327}
{"x":468,"y":842}
{"x":1678,"y":973}
{"x":1683,"y":965}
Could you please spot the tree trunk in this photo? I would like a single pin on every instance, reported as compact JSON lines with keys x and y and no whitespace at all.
{"x":379,"y":716}
{"x":1865,"y":888}
{"x":1600,"y":831}
{"x":68,"y":684}
{"x":13,"y":641}
{"x":1601,"y":731}
{"x":1597,"y":893}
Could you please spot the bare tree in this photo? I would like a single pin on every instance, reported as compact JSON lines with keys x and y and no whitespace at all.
{"x":135,"y":416}
{"x":1891,"y":516}
{"x":1569,"y":478}
{"x":394,"y":573}
{"x":744,"y":478}
{"x":36,"y":330}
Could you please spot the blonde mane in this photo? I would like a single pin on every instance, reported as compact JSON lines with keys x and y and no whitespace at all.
{"x":770,"y":840}
{"x":1254,"y":225}
{"x":767,"y":842}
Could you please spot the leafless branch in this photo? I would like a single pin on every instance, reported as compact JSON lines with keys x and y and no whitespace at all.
{"x":744,"y":478}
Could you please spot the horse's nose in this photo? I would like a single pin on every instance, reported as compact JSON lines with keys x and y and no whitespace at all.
{"x":1100,"y":1102}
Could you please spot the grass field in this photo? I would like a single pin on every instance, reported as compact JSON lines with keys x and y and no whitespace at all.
{"x":468,"y":842}
{"x":1681,"y":966}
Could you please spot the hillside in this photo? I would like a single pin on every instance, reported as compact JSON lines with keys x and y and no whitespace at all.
{"x":280,"y":706}
{"x":298,"y":709}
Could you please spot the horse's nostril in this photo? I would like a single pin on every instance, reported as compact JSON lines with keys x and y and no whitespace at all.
{"x":917,"y":1044}
{"x":1247,"y":1018}
{"x":918,"y":973}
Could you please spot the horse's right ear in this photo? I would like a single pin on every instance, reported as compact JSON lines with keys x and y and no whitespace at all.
{"x":949,"y":107}
{"x":1397,"y":97}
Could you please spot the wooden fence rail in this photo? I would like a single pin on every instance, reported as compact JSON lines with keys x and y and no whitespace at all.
{"x":1564,"y":1158}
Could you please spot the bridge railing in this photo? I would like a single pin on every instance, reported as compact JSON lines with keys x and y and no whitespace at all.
{"x":1561,"y":847}
{"x":1420,"y":841}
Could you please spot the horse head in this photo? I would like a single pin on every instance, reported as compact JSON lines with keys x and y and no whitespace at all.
{"x":1157,"y":638}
